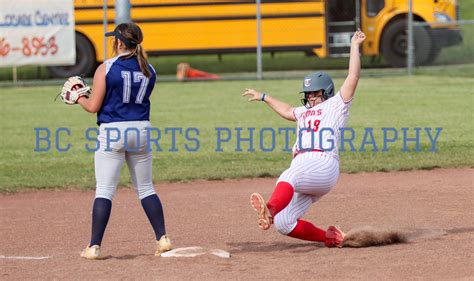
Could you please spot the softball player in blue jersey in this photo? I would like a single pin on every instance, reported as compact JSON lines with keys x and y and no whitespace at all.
{"x":121,"y":99}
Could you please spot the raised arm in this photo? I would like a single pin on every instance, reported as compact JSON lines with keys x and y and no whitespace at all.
{"x":283,"y":109}
{"x":94,"y":102}
{"x":350,"y":84}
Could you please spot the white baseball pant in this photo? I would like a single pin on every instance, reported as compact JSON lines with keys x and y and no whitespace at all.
{"x":109,"y":163}
{"x":312,"y":175}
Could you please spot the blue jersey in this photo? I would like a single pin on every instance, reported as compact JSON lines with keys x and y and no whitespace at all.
{"x":127,"y":91}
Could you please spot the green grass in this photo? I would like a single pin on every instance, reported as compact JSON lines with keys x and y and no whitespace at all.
{"x":420,"y":101}
{"x":467,"y":9}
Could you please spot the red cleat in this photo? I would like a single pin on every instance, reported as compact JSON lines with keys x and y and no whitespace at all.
{"x":334,"y":237}
{"x":264,"y":218}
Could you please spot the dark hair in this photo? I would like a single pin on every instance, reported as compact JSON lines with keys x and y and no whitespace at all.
{"x":133,"y":34}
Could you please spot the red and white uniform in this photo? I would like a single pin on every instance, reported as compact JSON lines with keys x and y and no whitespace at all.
{"x":313,"y":172}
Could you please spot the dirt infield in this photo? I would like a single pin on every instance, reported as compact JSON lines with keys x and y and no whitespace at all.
{"x":42,"y":232}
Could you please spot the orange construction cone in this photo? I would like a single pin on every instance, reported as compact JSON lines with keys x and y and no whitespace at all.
{"x":185,"y":72}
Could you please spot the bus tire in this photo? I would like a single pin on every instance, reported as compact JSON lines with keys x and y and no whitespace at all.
{"x":434,"y":53}
{"x":394,"y":44}
{"x":85,"y":60}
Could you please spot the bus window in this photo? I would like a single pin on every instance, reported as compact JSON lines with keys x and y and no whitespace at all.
{"x":374,"y":7}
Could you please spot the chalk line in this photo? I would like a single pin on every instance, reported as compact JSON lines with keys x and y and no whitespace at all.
{"x":23,"y":258}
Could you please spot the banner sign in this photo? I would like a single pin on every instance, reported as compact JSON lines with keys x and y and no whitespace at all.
{"x":37,"y":32}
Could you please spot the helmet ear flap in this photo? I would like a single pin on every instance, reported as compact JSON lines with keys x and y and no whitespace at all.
{"x":329,"y":93}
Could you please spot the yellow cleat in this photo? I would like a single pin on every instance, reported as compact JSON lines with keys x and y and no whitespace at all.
{"x":91,"y":253}
{"x":163,"y":245}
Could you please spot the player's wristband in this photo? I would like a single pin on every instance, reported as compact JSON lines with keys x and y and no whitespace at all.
{"x":263,"y":96}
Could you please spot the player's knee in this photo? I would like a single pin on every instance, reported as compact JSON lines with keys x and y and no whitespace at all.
{"x":283,"y":224}
{"x":105,"y":191}
{"x":288,"y":177}
{"x":145,"y":191}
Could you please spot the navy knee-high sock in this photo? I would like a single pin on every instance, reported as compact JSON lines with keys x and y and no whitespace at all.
{"x":100,"y":218}
{"x":154,"y":212}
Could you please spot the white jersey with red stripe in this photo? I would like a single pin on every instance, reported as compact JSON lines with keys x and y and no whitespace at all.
{"x":318,"y":127}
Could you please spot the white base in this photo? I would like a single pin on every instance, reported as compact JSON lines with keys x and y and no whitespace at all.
{"x":191,"y":252}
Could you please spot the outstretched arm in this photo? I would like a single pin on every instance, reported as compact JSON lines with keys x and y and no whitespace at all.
{"x":94,"y":102}
{"x":283,"y":109}
{"x":350,"y":84}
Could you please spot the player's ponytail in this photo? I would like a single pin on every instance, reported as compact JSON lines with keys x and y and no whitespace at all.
{"x":142,"y":61}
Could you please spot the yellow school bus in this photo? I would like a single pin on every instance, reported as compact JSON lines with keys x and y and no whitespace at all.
{"x":318,"y":27}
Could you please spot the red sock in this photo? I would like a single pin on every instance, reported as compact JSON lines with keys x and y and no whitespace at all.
{"x":281,"y":197}
{"x":307,"y":231}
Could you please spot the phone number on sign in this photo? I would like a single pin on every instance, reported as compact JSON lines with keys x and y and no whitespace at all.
{"x":32,"y":46}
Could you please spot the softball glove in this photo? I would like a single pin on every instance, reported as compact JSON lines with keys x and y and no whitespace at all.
{"x":74,"y":88}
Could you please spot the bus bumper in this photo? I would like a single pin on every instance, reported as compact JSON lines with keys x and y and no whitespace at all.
{"x":445,"y":37}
